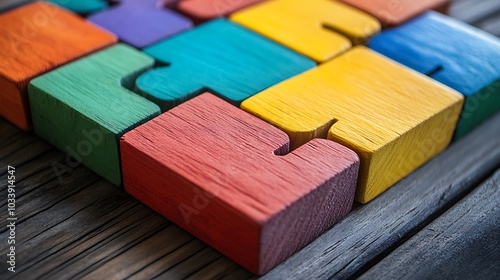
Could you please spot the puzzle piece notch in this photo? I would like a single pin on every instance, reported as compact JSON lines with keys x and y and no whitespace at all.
{"x":141,"y":23}
{"x":83,"y":109}
{"x":221,"y":57}
{"x":392,"y":13}
{"x":467,"y":60}
{"x":395,"y":119}
{"x":31,"y":30}
{"x":319,"y":29}
{"x":203,"y":10}
{"x":213,"y":170}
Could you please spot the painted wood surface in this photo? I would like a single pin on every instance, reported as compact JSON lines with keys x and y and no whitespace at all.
{"x":220,"y":57}
{"x":82,"y":7}
{"x":370,"y":232}
{"x":35,"y":39}
{"x":86,"y":121}
{"x":393,"y":13}
{"x":394,"y":118}
{"x":203,"y":10}
{"x":453,"y":53}
{"x":465,"y":238}
{"x":141,"y":22}
{"x":226,"y":177}
{"x":320,"y":30}
{"x":6,"y":5}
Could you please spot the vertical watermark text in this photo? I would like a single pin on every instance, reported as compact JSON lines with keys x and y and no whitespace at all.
{"x":11,"y":217}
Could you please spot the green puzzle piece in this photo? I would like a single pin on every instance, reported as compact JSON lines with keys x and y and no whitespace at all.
{"x":84,"y":108}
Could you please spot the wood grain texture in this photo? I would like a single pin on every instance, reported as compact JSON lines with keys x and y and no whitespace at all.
{"x":35,"y":39}
{"x":465,"y":238}
{"x":453,"y":53}
{"x":320,"y":29}
{"x":203,"y":10}
{"x":377,"y":228}
{"x":393,"y":13}
{"x":141,"y":22}
{"x":101,"y":240}
{"x":210,"y":168}
{"x":82,"y":7}
{"x":395,"y":118}
{"x":87,"y":121}
{"x":220,"y":57}
{"x":6,"y":5}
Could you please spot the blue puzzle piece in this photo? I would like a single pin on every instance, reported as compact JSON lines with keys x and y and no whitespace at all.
{"x":221,"y":57}
{"x":453,"y":53}
{"x":141,"y":23}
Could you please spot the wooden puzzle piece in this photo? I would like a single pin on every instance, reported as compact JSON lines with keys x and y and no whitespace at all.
{"x":319,"y":29}
{"x":35,"y":39}
{"x":220,"y":57}
{"x":84,"y":108}
{"x":6,"y":5}
{"x":82,"y":7}
{"x":141,"y":22}
{"x":453,"y":53}
{"x":395,"y":119}
{"x":392,"y":13}
{"x":202,"y":10}
{"x":224,"y":175}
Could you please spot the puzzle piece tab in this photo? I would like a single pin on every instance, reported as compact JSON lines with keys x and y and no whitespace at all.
{"x":221,"y":57}
{"x":141,"y":22}
{"x":319,"y":29}
{"x":453,"y":53}
{"x":84,"y":108}
{"x":392,"y":13}
{"x":394,"y":118}
{"x":35,"y":39}
{"x":222,"y":174}
{"x":203,"y":10}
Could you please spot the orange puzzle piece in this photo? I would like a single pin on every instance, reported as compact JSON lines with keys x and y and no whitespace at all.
{"x":35,"y":39}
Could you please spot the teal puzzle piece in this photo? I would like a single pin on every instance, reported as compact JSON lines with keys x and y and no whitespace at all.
{"x":82,"y":6}
{"x":220,"y":57}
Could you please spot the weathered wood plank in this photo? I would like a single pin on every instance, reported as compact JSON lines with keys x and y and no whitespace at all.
{"x":376,"y":228}
{"x":472,"y":12}
{"x":463,"y":243}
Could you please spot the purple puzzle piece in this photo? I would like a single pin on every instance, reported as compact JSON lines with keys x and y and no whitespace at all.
{"x":141,"y":22}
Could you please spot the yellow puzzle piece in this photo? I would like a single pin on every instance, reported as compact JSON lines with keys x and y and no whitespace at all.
{"x":394,"y":118}
{"x":319,"y":29}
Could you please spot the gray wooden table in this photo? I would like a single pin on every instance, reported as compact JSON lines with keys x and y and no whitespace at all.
{"x":441,"y":222}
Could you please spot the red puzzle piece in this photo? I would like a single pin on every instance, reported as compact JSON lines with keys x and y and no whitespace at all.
{"x":203,"y":10}
{"x":221,"y":174}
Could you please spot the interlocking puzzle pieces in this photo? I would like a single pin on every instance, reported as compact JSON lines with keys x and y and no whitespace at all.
{"x":10,"y":4}
{"x":202,"y":10}
{"x":453,"y":53}
{"x":394,"y":118}
{"x":82,"y":7}
{"x":392,"y":13}
{"x":141,"y":22}
{"x":84,"y":108}
{"x":220,"y":57}
{"x":35,"y":39}
{"x":319,"y":29}
{"x":224,"y":175}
